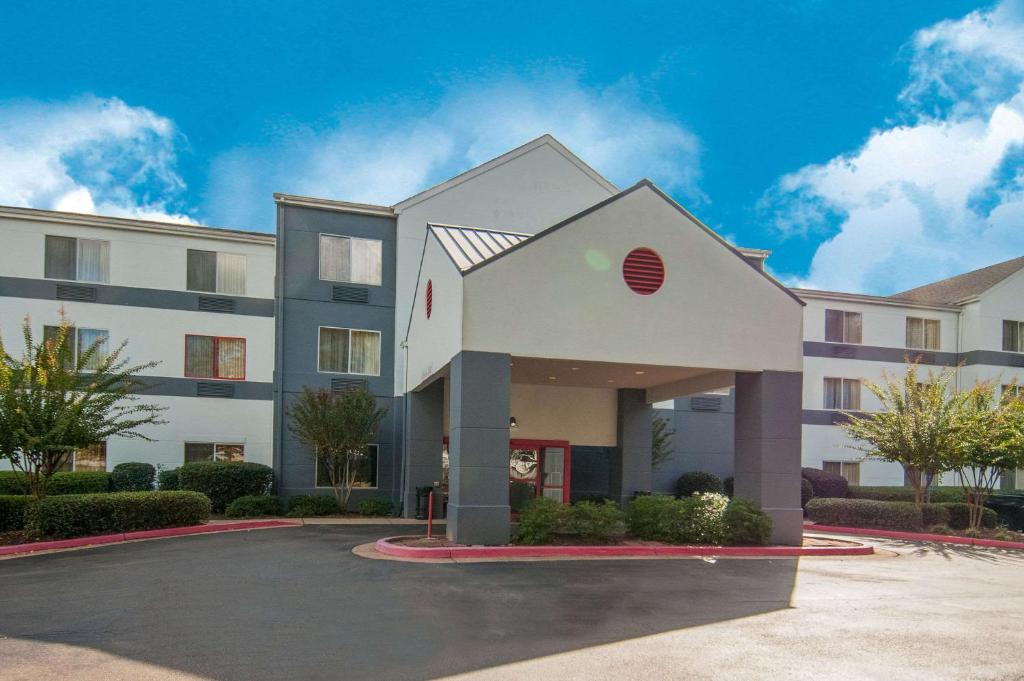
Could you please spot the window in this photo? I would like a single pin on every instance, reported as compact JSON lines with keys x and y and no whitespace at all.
{"x":923,"y":333}
{"x":215,"y":357}
{"x":842,"y":326}
{"x":214,"y":451}
{"x":91,"y":458}
{"x":1013,"y":336}
{"x":79,"y":341}
{"x":842,"y":393}
{"x":216,"y":272}
{"x":366,"y":470}
{"x":848,"y":469}
{"x":77,"y":259}
{"x":351,"y":260}
{"x":349,"y":351}
{"x":1014,"y":389}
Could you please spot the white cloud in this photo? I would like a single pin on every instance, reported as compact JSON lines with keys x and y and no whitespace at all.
{"x":936,"y":196}
{"x":396,"y":151}
{"x":89,"y":155}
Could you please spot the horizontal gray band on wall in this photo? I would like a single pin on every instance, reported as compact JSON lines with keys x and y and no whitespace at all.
{"x":161,"y":299}
{"x":172,"y":386}
{"x":874,"y":353}
{"x":825,"y":417}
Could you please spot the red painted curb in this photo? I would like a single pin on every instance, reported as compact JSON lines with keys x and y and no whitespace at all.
{"x":18,"y":549}
{"x":388,"y":548}
{"x":916,"y":536}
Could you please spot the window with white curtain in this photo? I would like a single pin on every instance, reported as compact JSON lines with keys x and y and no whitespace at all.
{"x":350,"y":259}
{"x":214,"y":357}
{"x":214,"y":451}
{"x":215,"y":272}
{"x":91,"y":458}
{"x":848,"y":469}
{"x":1013,"y":336}
{"x":923,"y":334}
{"x":349,"y":351}
{"x":77,"y":259}
{"x":842,"y":326}
{"x":79,"y":342}
{"x":842,"y":393}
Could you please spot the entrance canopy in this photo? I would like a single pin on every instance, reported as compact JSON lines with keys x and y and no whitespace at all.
{"x":633,"y":292}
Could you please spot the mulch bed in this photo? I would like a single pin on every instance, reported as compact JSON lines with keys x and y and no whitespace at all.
{"x":16,"y":537}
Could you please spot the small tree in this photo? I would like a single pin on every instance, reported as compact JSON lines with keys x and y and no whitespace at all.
{"x":991,"y":441}
{"x":661,"y":441}
{"x":338,"y":428}
{"x":52,"y":403}
{"x":918,"y":426}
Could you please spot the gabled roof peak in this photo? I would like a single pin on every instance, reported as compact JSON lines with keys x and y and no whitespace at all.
{"x":962,"y":287}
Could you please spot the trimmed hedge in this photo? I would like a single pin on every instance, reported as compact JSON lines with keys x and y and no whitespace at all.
{"x":825,"y":484}
{"x":695,"y":482}
{"x":959,"y":516}
{"x":746,"y":524}
{"x":253,"y":506}
{"x":644,"y":516}
{"x":894,"y":493}
{"x":934,"y":514}
{"x":376,"y":506}
{"x":312,"y":505}
{"x":867,"y":513}
{"x":132,"y":477}
{"x":225,"y":482}
{"x":1010,"y":508}
{"x":595,"y":522}
{"x":81,"y":515}
{"x":168,"y":479}
{"x":728,"y":485}
{"x":806,"y":492}
{"x":12,"y":511}
{"x":64,"y":482}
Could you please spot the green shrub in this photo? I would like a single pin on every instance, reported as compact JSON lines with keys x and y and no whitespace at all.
{"x":806,"y":492}
{"x":959,"y":515}
{"x":934,"y":514}
{"x":1010,"y":508}
{"x":253,"y":506}
{"x":376,"y":506}
{"x":302,"y":505}
{"x":883,"y":515}
{"x":225,"y":482}
{"x":12,"y":511}
{"x":825,"y":484}
{"x":64,"y":482}
{"x":644,"y":516}
{"x":540,"y":518}
{"x":595,"y":522}
{"x":746,"y":524}
{"x":695,"y":482}
{"x":132,"y":477}
{"x":701,"y":521}
{"x":893,"y":493}
{"x":80,"y":515}
{"x":729,"y":486}
{"x":168,"y":479}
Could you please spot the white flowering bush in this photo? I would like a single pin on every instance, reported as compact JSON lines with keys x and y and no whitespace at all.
{"x":705,"y":513}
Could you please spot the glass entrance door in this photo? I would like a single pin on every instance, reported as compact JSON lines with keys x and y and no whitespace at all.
{"x":538,"y":468}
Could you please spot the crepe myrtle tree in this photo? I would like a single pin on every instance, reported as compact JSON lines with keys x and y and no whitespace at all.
{"x":661,"y":440}
{"x":338,"y":428}
{"x":918,"y":426}
{"x":53,"y":402}
{"x":991,"y":442}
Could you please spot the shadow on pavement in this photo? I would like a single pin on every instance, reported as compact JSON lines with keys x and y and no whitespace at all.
{"x":295,"y":603}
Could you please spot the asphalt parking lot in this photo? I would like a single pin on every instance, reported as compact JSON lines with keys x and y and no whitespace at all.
{"x":295,"y":603}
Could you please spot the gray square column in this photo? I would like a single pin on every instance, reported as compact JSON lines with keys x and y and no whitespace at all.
{"x":478,"y":456}
{"x":423,"y":443}
{"x":634,"y":425}
{"x":767,"y":464}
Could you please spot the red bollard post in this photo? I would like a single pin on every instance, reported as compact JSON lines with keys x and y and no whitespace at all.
{"x":430,"y":514}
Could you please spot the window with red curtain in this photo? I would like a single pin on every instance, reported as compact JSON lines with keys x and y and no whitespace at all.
{"x":215,"y":357}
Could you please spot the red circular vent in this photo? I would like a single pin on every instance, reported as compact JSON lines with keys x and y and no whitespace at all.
{"x":643,"y":271}
{"x":430,"y":297}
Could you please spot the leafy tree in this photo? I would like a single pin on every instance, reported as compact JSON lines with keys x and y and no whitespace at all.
{"x":919,"y":425}
{"x":661,"y":440}
{"x":52,"y":403}
{"x":338,"y":428}
{"x":991,"y":441}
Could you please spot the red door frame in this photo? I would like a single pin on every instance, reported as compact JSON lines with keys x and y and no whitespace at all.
{"x":541,"y":444}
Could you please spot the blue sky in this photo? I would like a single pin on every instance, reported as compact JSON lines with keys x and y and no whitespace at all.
{"x":872,"y":146}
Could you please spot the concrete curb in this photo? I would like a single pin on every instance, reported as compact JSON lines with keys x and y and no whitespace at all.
{"x":915,"y":536}
{"x":99,"y":540}
{"x":386,"y":547}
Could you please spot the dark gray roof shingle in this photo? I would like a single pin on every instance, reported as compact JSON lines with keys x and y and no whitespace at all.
{"x":963,"y":286}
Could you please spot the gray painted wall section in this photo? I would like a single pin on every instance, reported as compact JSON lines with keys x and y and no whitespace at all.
{"x":478,"y":446}
{"x":190,"y":387}
{"x":105,"y":294}
{"x":703,"y":440}
{"x":767,"y":462}
{"x":303,"y":304}
{"x":425,"y":418}
{"x":875,"y":353}
{"x":635,"y":417}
